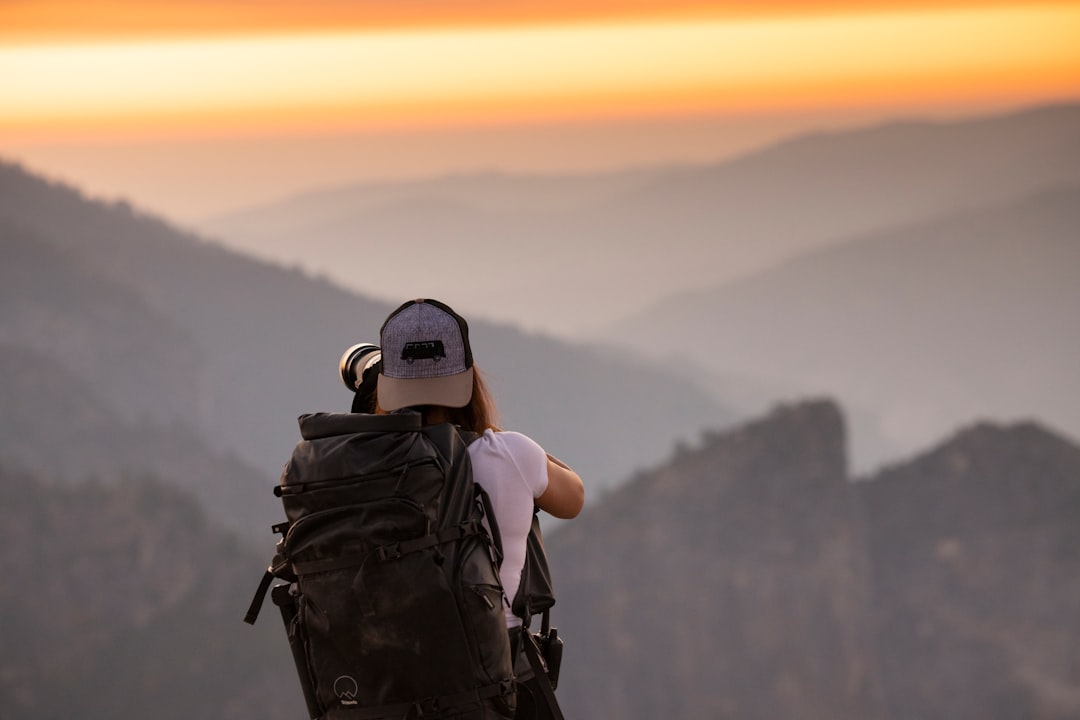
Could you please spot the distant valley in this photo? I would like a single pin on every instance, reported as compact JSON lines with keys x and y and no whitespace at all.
{"x":918,"y":329}
{"x":572,"y":254}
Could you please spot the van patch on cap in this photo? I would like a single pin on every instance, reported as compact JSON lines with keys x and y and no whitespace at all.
{"x":423,"y":350}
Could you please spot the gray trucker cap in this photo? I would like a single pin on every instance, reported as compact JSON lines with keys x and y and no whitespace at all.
{"x":426,"y":358}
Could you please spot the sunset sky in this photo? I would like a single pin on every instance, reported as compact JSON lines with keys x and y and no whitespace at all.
{"x":192,"y":108}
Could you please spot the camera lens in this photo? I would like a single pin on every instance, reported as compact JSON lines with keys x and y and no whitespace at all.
{"x":356,"y":361}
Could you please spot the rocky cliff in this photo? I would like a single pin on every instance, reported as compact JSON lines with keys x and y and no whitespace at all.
{"x":753,"y":578}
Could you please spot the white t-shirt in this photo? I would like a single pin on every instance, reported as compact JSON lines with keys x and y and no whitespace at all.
{"x":512,"y":469}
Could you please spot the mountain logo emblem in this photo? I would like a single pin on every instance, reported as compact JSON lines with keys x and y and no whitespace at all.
{"x":346,"y":690}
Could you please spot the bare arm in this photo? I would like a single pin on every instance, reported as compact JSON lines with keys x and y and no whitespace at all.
{"x":565,"y":494}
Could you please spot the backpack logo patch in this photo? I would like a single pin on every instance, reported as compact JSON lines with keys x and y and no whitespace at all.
{"x":345,"y":688}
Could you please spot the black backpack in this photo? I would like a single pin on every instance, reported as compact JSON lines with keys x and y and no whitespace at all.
{"x":392,"y":599}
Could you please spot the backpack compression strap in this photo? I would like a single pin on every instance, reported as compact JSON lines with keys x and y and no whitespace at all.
{"x":392,"y":551}
{"x":274,"y":570}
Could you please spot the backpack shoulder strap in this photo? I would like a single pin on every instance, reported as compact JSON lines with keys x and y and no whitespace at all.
{"x":469,"y":437}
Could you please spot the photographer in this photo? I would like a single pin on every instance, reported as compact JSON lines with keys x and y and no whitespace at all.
{"x":426,"y":364}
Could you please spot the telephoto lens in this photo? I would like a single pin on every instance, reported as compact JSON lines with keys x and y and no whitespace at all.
{"x":356,"y":361}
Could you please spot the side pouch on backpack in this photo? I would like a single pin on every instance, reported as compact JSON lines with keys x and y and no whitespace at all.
{"x":284,"y":596}
{"x":535,"y":593}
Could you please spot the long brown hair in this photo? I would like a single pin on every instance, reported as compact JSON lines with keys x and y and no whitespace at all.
{"x":479,"y":415}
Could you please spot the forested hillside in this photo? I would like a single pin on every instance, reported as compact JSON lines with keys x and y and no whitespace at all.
{"x":121,"y":600}
{"x":754,"y":578}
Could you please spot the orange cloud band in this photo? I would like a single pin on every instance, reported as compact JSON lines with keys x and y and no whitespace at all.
{"x":117,"y":20}
{"x":392,"y":79}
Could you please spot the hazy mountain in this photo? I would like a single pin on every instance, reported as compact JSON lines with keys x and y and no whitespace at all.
{"x":121,"y":601}
{"x":166,"y":327}
{"x":55,"y":303}
{"x":750,"y":578}
{"x":267,"y":228}
{"x":726,"y":583}
{"x":57,"y":424}
{"x":974,"y":549}
{"x":569,"y":254}
{"x":922,"y":328}
{"x":95,"y":383}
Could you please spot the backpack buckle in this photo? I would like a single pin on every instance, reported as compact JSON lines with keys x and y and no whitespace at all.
{"x":388,"y":552}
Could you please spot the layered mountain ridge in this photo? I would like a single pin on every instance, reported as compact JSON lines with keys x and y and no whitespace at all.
{"x":754,"y":578}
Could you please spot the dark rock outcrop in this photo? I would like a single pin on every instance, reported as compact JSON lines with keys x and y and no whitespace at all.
{"x":752,"y":578}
